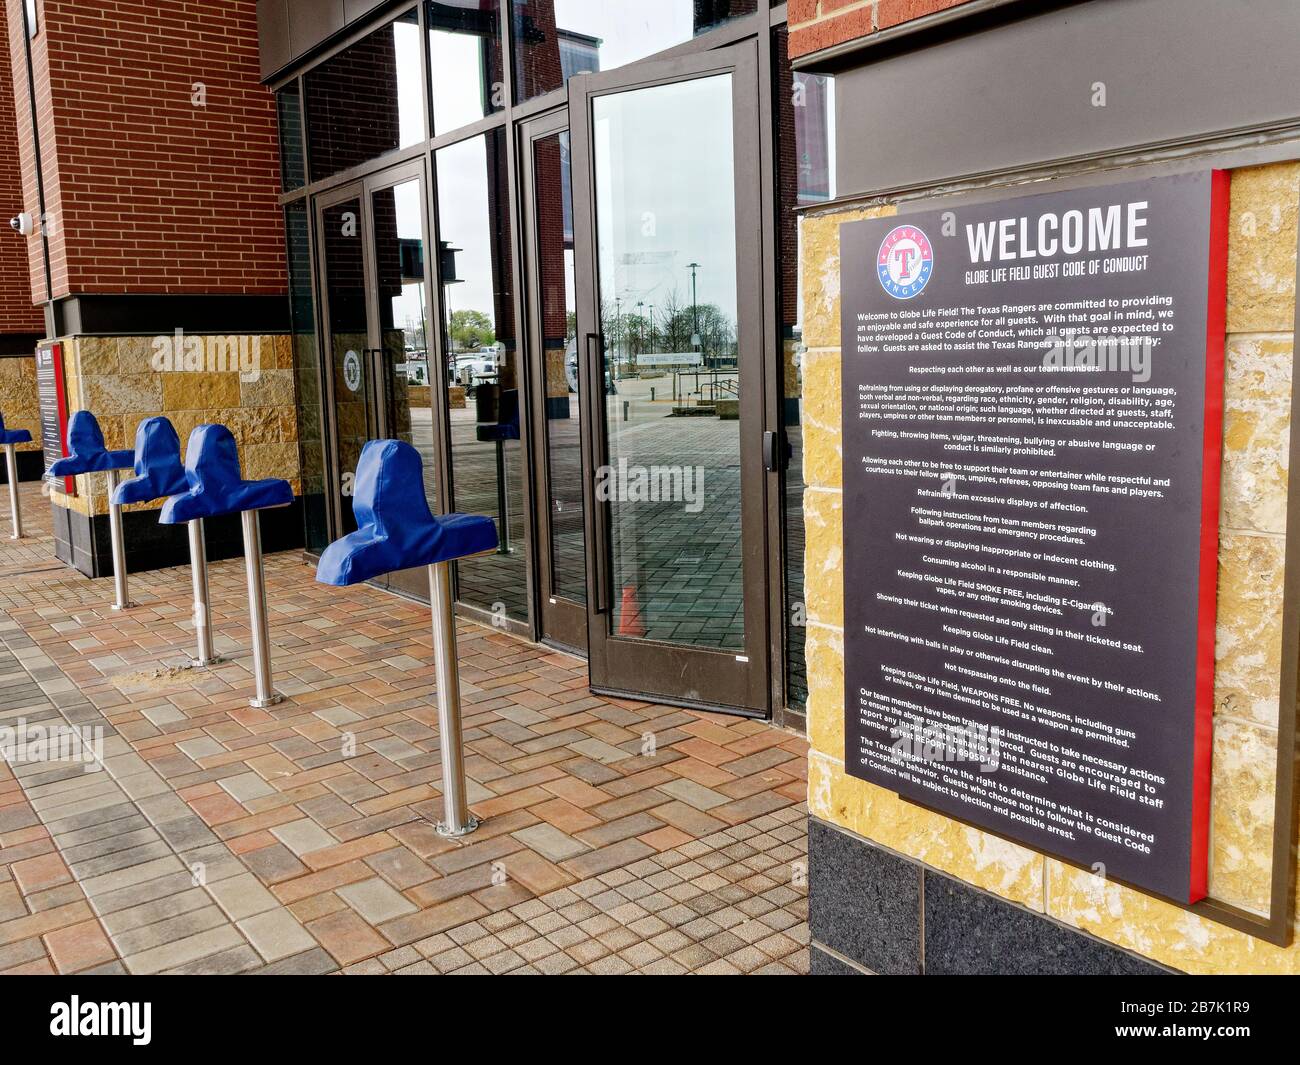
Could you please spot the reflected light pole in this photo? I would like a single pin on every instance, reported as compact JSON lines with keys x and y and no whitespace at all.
{"x":695,"y":308}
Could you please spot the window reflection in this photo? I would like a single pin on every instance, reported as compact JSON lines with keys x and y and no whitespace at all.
{"x":464,"y":61}
{"x":366,"y":101}
{"x":483,"y":371}
{"x":666,"y":255}
{"x":555,"y":39}
{"x":403,"y":331}
{"x":293,"y":165}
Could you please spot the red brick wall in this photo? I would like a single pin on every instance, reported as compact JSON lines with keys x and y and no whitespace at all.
{"x":818,"y":24}
{"x":147,"y":192}
{"x":17,"y":313}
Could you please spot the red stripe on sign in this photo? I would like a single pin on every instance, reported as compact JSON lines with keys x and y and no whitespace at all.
{"x":61,"y":392}
{"x":1207,"y":598}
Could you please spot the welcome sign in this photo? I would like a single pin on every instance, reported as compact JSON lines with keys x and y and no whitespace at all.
{"x":1032,"y":411}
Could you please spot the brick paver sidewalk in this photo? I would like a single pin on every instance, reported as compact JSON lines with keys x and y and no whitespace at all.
{"x":619,"y":836}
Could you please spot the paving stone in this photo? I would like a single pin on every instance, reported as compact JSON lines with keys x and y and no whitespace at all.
{"x":375,"y":900}
{"x":303,"y":836}
{"x":242,"y":896}
{"x":549,"y":841}
{"x":276,"y":935}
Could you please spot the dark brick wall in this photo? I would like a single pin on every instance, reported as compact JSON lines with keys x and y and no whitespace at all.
{"x":818,"y":24}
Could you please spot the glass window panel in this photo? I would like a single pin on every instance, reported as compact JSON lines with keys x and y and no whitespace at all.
{"x":306,"y":363}
{"x":666,"y":256}
{"x":464,"y":61}
{"x":555,"y":39}
{"x":554,"y":212}
{"x":483,"y":370}
{"x":293,"y":164}
{"x":403,"y":328}
{"x":366,"y":101}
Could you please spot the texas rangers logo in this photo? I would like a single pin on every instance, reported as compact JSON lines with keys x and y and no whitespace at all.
{"x":905,"y":262}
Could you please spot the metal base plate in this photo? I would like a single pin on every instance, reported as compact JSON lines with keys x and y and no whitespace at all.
{"x":203,"y":663}
{"x":124,"y":606}
{"x":443,"y":829}
{"x":262,"y":704}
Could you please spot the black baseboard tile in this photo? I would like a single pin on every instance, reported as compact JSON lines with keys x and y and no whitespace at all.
{"x":863,"y":902}
{"x":84,"y":542}
{"x":31,"y":467}
{"x":969,"y":932}
{"x":824,"y":962}
{"x":890,"y":914}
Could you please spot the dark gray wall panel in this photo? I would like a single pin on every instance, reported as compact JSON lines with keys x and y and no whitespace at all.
{"x":971,"y":933}
{"x":273,"y":34}
{"x":289,"y":29}
{"x":354,"y":9}
{"x":1020,"y":94}
{"x":863,"y":902}
{"x":312,"y":21}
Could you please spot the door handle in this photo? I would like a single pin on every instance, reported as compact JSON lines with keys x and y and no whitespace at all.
{"x":776,"y":451}
{"x":596,"y":375}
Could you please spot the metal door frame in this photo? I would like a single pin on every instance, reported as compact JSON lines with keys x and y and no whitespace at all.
{"x":695,"y":676}
{"x":560,"y":620}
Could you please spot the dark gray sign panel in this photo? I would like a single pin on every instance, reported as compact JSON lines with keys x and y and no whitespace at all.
{"x":1032,"y":406}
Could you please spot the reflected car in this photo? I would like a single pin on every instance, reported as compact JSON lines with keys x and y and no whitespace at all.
{"x":571,"y":370}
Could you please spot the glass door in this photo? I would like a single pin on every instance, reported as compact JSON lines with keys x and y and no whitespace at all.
{"x":547,"y":199}
{"x":669,"y":338}
{"x":344,"y":264}
{"x":374,"y":279}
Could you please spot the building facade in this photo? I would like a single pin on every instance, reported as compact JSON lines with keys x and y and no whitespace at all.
{"x":588,"y":259}
{"x":983,"y":103}
{"x":555,"y":249}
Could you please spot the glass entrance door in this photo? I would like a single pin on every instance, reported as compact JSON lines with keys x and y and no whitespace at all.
{"x":375,"y":278}
{"x":669,"y":312}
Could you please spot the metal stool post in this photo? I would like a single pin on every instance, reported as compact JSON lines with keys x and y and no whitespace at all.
{"x":15,"y":507}
{"x":205,"y":653}
{"x":123,"y":600}
{"x":266,"y":694}
{"x":458,"y":821}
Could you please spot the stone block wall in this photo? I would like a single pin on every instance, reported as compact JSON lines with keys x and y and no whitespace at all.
{"x":117,"y":379}
{"x":18,"y":402}
{"x":1259,"y":357}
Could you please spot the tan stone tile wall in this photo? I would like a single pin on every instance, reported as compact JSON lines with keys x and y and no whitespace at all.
{"x":244,"y":382}
{"x":18,"y":402}
{"x":1260,"y":322}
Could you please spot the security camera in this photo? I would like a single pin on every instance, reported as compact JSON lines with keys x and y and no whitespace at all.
{"x":22,"y":223}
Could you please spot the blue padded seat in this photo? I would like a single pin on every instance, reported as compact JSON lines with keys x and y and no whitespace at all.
{"x":506,"y":427}
{"x":86,"y":451}
{"x":396,"y":530}
{"x":13,"y":436}
{"x":216,"y":485}
{"x":158,"y":469}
